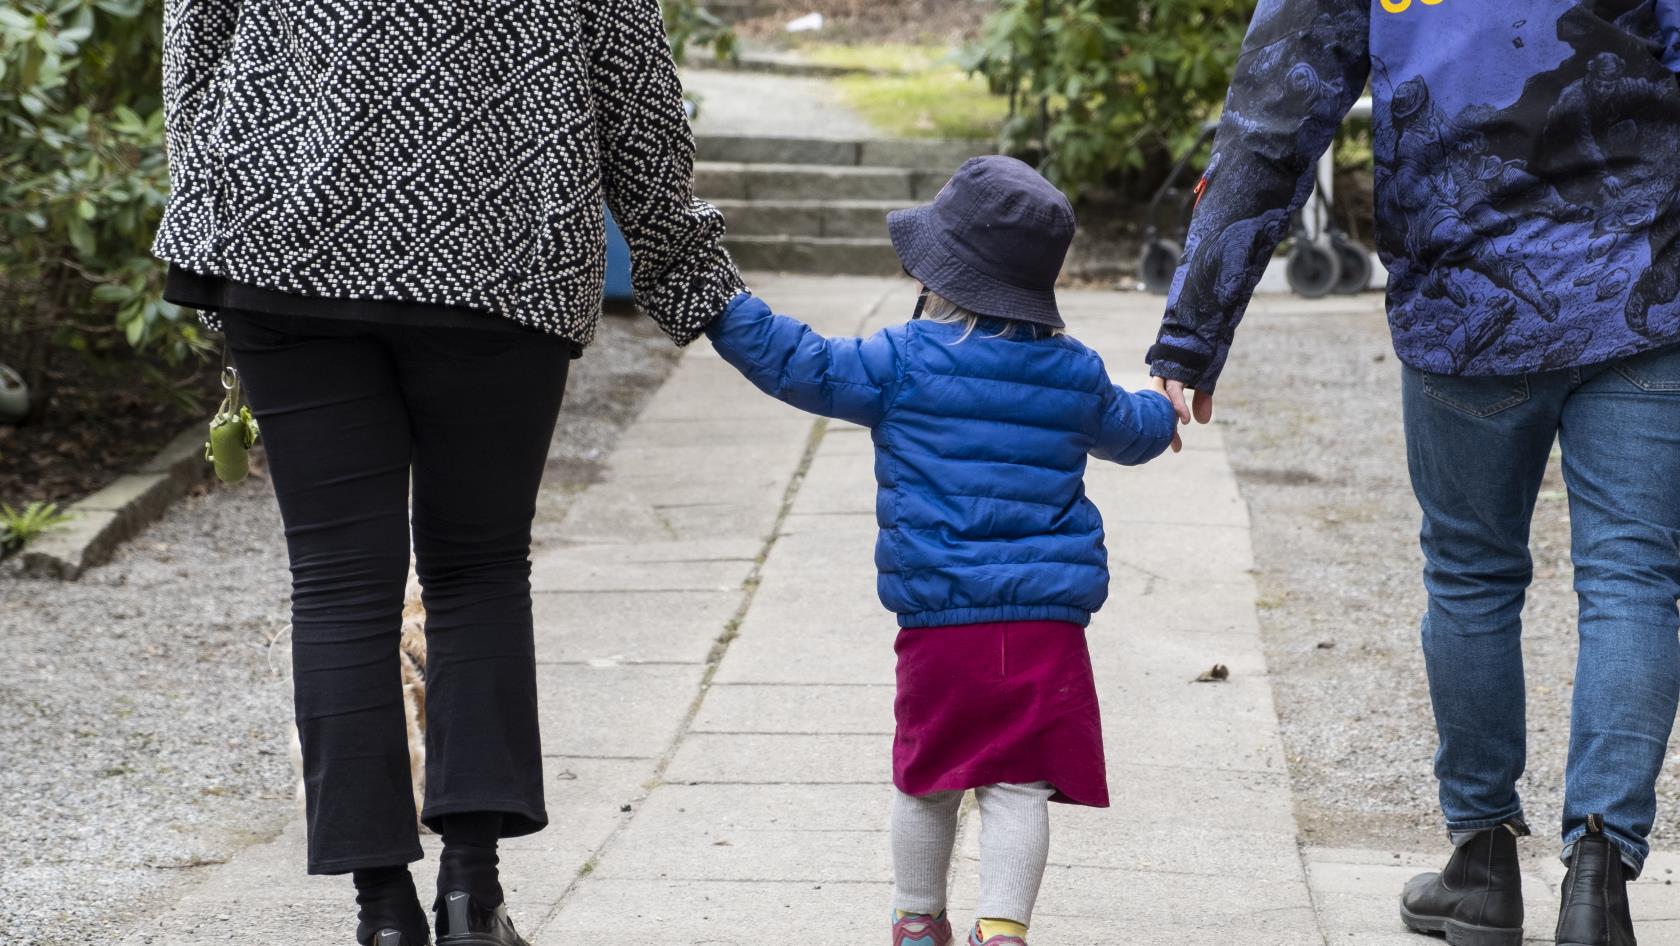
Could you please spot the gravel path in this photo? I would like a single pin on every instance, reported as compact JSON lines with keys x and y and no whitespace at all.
{"x":144,"y":728}
{"x":1311,"y":405}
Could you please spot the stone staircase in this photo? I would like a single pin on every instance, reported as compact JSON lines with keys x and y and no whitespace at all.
{"x":734,"y":11}
{"x":819,"y":205}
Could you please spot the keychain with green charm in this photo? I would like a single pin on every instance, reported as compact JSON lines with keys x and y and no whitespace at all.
{"x":233,"y":431}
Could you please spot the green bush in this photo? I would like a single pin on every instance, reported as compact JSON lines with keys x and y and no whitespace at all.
{"x":1106,"y":88}
{"x":83,"y":181}
{"x":690,"y":24}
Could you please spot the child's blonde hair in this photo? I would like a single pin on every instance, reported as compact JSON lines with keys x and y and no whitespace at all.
{"x":945,"y":312}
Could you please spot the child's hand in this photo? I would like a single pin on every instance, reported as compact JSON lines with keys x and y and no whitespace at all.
{"x":1159,"y":385}
{"x":1201,"y":407}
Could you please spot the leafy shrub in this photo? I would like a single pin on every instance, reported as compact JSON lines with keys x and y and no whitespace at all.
{"x":19,"y":527}
{"x":690,"y":24}
{"x":1109,"y":87}
{"x":83,"y":181}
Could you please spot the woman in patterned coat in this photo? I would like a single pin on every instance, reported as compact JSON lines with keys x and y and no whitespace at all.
{"x":394,"y":213}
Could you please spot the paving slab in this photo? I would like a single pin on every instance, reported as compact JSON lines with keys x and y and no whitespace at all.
{"x":1153,"y":604}
{"x":583,"y":569}
{"x":1357,"y":895}
{"x":776,"y":758}
{"x":626,"y":711}
{"x":610,"y":912}
{"x":1236,"y":799}
{"x":629,"y":626}
{"x":1160,"y":907}
{"x":1356,"y":891}
{"x":761,"y":832}
{"x":834,"y":659}
{"x":855,"y":709}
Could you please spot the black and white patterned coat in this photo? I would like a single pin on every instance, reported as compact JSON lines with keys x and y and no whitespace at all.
{"x":452,"y":152}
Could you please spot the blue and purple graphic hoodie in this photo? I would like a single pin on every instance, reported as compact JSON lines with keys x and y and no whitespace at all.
{"x":1527,"y":177}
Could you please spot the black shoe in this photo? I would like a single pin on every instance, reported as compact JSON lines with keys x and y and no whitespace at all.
{"x":462,"y":922}
{"x":1595,"y":903}
{"x":385,"y":938}
{"x":1477,"y":899}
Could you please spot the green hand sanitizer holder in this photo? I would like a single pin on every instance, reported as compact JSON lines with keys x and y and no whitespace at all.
{"x":233,"y":431}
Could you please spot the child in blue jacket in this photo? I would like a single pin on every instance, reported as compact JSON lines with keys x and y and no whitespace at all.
{"x":983,"y":414}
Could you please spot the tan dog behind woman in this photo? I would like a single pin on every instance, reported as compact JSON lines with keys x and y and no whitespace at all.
{"x":411,"y":656}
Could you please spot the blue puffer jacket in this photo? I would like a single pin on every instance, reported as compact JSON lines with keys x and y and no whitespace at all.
{"x":980,"y":451}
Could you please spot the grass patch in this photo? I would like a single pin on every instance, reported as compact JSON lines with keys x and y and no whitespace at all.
{"x":914,"y":91}
{"x":879,"y":57}
{"x":942,"y":103}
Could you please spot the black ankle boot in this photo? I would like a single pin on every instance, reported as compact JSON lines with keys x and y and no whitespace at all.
{"x":1595,"y":903}
{"x":462,"y":921}
{"x":1477,"y":899}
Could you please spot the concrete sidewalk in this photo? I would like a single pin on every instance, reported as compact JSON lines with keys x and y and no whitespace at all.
{"x":717,"y":699}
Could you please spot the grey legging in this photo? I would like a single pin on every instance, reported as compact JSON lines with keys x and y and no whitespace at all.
{"x":1014,"y":848}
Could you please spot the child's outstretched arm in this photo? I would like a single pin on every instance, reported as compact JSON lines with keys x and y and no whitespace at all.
{"x":848,"y":378}
{"x":1136,"y":428}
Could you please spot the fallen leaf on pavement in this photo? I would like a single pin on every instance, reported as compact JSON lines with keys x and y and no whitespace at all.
{"x":1219,"y":674}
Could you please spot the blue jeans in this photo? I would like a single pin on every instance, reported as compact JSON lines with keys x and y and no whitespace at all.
{"x":1478,"y":449}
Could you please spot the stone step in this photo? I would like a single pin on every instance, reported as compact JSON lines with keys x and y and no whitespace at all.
{"x":828,"y":256}
{"x":944,"y":156}
{"x":729,"y":180}
{"x":849,"y":219}
{"x":735,"y":11}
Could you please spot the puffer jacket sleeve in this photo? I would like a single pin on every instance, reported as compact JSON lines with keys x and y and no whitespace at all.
{"x":683,"y":275}
{"x":852,"y":379}
{"x":1135,"y":428}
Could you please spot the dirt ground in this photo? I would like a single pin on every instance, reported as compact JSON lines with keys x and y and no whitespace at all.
{"x":97,"y":427}
{"x":1311,"y":408}
{"x":144,"y":719}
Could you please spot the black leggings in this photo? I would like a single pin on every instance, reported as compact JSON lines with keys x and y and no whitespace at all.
{"x":350,"y":412}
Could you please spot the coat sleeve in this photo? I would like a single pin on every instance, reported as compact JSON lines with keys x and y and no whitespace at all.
{"x":1668,"y":21}
{"x":852,"y":379}
{"x":1135,"y":428}
{"x":683,"y":275}
{"x":1302,"y":67}
{"x":197,"y":37}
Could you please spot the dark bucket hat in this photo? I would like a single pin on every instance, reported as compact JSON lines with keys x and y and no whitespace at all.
{"x":993,"y":241}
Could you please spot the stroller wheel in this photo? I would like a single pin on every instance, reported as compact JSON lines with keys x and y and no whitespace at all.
{"x":1159,"y":264}
{"x":1356,"y":265}
{"x":1313,"y":270}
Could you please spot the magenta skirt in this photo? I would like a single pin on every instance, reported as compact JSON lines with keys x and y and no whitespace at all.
{"x":983,"y":704}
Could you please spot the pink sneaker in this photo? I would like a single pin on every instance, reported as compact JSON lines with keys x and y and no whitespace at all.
{"x":975,"y":940}
{"x":919,"y":929}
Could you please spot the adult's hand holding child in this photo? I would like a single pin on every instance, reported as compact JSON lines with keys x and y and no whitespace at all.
{"x":1200,"y":406}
